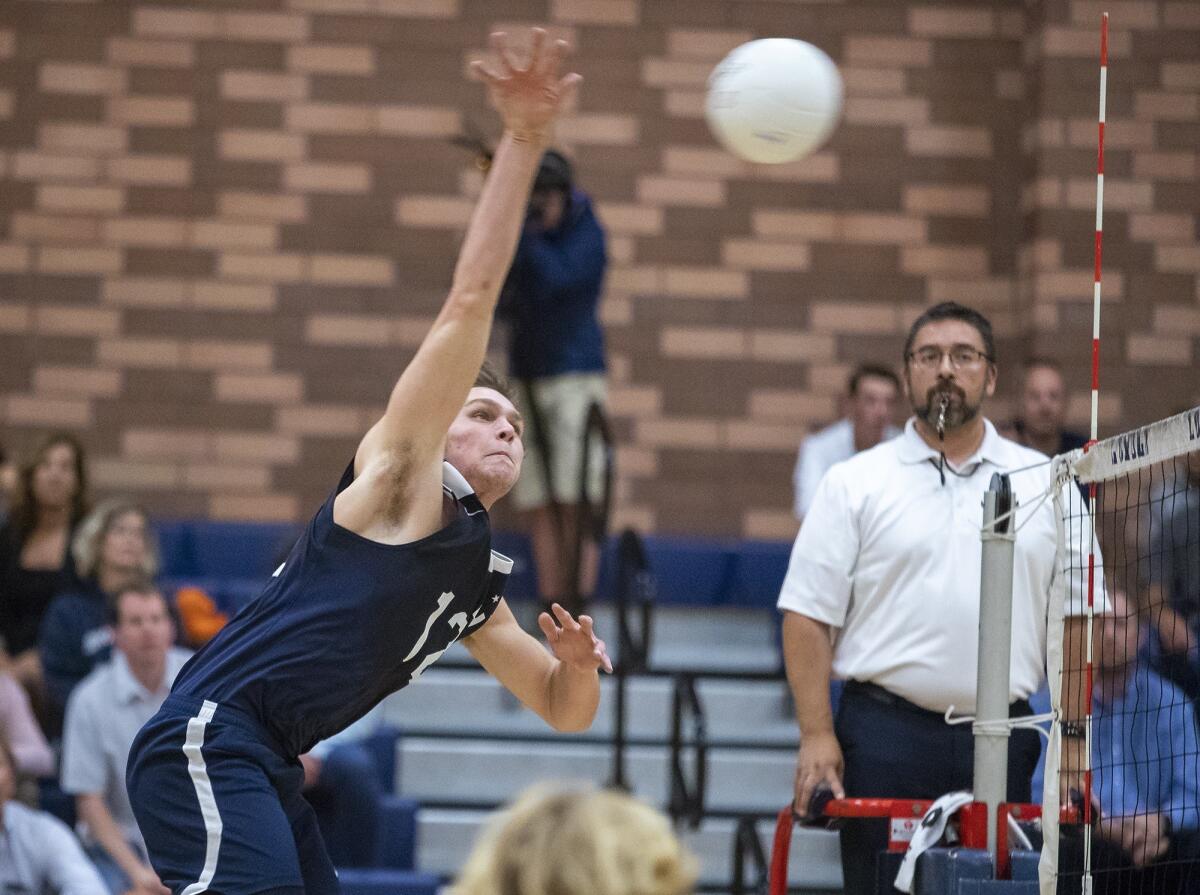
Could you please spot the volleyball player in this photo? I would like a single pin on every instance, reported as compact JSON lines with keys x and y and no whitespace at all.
{"x":394,"y":568}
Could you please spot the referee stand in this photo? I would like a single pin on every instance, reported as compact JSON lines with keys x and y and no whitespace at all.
{"x":983,"y":861}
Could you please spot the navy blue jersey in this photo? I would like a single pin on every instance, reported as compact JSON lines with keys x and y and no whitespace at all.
{"x":346,"y":620}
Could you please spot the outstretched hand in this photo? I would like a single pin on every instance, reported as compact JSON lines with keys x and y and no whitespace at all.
{"x":574,"y":642}
{"x":527,"y":97}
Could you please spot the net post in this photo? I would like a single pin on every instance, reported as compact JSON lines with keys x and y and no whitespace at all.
{"x":995,"y":647}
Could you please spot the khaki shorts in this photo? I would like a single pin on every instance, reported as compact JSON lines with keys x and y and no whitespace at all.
{"x":563,"y":401}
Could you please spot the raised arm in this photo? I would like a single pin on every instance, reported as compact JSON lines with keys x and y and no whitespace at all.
{"x":404,"y":449}
{"x":433,"y":387}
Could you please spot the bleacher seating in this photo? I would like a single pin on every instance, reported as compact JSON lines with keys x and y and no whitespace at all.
{"x":232,"y":561}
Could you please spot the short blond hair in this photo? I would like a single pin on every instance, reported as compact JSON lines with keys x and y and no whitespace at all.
{"x":89,"y":537}
{"x":557,"y":840}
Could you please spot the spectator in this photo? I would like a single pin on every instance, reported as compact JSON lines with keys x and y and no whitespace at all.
{"x":873,"y":392}
{"x":1147,"y":769}
{"x":883,"y":588}
{"x":112,"y":548}
{"x":341,"y":782}
{"x":31,"y":755}
{"x":1042,"y":423}
{"x":38,"y":853}
{"x":555,"y":841}
{"x":104,"y":714}
{"x":556,"y":352}
{"x":1171,"y":592}
{"x":35,"y":559}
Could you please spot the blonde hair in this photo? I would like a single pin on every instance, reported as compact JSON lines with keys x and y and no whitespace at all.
{"x":557,"y":840}
{"x":89,"y":537}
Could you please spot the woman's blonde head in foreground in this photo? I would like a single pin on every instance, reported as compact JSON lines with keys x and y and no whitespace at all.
{"x":572,"y":841}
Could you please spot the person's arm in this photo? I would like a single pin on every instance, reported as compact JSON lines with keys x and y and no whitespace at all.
{"x":808,"y":658}
{"x":1177,"y":732}
{"x":63,"y":864}
{"x":398,"y":462}
{"x":109,"y":836}
{"x":563,"y":688}
{"x":59,"y":638}
{"x":814,"y":599}
{"x":29,"y":745}
{"x":1075,"y":701}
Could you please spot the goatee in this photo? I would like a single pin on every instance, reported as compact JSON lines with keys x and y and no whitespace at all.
{"x":957,"y":411}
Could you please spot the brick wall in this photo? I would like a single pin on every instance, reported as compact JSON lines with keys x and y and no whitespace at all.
{"x":225,"y":226}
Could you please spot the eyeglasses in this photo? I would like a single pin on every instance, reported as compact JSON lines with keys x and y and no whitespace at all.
{"x":930,"y":357}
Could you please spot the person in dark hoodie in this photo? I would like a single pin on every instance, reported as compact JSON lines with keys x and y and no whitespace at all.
{"x":556,"y":352}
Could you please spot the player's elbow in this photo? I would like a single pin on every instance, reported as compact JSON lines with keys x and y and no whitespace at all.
{"x":471,"y":300}
{"x":573,"y":724}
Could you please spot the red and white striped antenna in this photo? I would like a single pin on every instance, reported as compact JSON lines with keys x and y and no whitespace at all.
{"x":1091,"y":580}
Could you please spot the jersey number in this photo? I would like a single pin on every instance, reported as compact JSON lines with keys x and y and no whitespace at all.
{"x":458,"y":622}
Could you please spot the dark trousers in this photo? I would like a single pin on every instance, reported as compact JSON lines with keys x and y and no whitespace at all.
{"x":894,"y":749}
{"x":346,"y":800}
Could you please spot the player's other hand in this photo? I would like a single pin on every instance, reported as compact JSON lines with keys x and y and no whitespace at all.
{"x":146,"y":882}
{"x":574,"y":642}
{"x":528,"y":97}
{"x":819,"y":762}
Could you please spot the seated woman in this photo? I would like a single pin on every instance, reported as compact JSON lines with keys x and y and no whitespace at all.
{"x":35,"y":562}
{"x":113,"y":547}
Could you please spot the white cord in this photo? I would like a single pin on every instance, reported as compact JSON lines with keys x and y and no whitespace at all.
{"x":1002,"y":726}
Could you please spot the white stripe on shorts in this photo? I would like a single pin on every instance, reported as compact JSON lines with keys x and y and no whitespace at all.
{"x":198,"y":771}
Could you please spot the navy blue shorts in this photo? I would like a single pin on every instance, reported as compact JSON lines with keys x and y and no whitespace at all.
{"x":220,"y":810}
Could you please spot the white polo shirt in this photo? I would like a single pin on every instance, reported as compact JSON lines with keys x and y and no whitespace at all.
{"x":104,"y":714}
{"x":890,"y":556}
{"x":818,"y":452}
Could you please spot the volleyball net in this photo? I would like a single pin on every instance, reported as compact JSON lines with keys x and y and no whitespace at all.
{"x":1125,"y":678}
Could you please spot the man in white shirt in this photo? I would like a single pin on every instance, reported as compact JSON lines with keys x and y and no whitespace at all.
{"x":38,"y":853}
{"x":883,"y":590}
{"x":871,"y":407}
{"x":104,"y":714}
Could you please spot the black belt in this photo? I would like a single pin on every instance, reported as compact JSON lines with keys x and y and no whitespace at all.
{"x":887,"y":697}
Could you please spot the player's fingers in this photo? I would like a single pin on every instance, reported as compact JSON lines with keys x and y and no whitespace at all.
{"x":602,"y":655}
{"x":551,"y":58}
{"x":537,"y":50}
{"x":508,"y":62}
{"x":568,"y":84}
{"x":546,"y":623}
{"x":564,"y":618}
{"x":481,"y":71}
{"x":585,"y":625}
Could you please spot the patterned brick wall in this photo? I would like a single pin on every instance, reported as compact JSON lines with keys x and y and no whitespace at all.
{"x":224,"y":226}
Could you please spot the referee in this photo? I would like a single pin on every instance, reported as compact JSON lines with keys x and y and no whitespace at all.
{"x":882,"y":591}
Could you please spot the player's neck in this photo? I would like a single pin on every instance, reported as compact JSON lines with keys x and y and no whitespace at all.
{"x":958,"y":443}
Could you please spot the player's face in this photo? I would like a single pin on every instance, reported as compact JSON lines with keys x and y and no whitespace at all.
{"x":1044,"y":401}
{"x":965,"y":385}
{"x":484,"y":443}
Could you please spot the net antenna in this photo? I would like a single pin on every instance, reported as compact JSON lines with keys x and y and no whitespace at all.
{"x":1066,"y":471}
